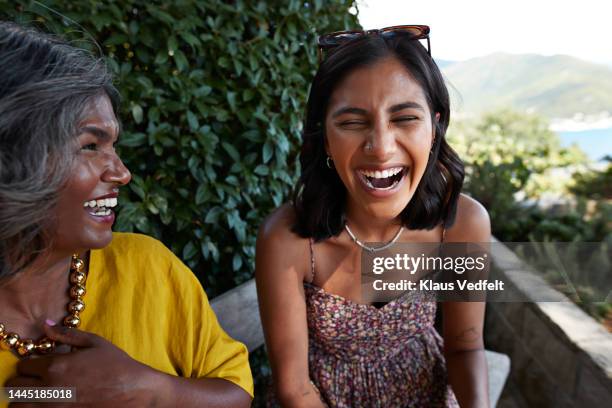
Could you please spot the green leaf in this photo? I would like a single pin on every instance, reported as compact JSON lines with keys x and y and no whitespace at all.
{"x":212,"y":216}
{"x":237,"y":262}
{"x":160,"y":203}
{"x":181,"y":61}
{"x":190,"y":39}
{"x":192,"y":120}
{"x":231,"y":99}
{"x":231,"y":150}
{"x":202,"y":194}
{"x":189,"y":251}
{"x":267,"y":152}
{"x":145,"y":82}
{"x":247,"y":95}
{"x":116,"y":39}
{"x":223,"y":62}
{"x":172,"y":45}
{"x":262,"y":170}
{"x":137,"y":113}
{"x":202,"y":91}
{"x":132,"y":139}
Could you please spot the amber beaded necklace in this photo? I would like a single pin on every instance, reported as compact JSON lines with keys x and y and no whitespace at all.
{"x":26,"y":347}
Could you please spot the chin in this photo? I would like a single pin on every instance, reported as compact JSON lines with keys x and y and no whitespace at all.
{"x":386,"y":211}
{"x":98,"y":241}
{"x":394,"y":210}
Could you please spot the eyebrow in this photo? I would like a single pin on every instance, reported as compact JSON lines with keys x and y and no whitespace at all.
{"x":392,"y":109}
{"x":406,"y":105}
{"x":348,"y":109}
{"x":100,"y":133}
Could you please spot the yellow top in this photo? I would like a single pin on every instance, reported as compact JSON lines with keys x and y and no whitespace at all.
{"x":144,"y":300}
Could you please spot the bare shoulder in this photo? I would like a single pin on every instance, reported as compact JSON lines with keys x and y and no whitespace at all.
{"x":472,"y":223}
{"x":277,"y":226}
{"x":276,"y":240}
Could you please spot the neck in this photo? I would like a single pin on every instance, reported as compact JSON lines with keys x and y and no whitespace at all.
{"x":371,"y":229}
{"x":36,"y":291}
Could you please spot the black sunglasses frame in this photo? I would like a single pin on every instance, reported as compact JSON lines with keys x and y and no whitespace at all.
{"x":337,"y":38}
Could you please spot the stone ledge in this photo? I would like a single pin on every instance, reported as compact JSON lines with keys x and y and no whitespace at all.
{"x":533,"y":332}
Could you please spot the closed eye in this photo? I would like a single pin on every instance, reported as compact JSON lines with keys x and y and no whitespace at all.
{"x":405,"y":119}
{"x":353,"y":124}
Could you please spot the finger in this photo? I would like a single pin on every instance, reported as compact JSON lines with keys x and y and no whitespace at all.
{"x":70,"y":336}
{"x":34,"y":367}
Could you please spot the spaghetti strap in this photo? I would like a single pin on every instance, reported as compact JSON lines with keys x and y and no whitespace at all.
{"x":312,"y":260}
{"x":443,"y":233}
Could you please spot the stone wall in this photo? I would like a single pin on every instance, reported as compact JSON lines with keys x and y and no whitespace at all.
{"x":560,"y":356}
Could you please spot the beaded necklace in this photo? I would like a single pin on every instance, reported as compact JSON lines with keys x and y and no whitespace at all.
{"x":26,"y":347}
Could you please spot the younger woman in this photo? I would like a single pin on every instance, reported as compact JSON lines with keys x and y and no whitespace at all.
{"x":375,"y":168}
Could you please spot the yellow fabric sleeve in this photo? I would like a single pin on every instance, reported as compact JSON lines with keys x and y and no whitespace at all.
{"x":145,"y":301}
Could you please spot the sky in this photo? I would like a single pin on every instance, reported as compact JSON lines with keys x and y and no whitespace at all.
{"x":464,"y":29}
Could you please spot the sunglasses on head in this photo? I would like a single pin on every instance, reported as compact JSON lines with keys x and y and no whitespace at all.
{"x":411,"y":32}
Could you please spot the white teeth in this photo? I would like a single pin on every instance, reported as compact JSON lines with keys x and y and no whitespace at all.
{"x":104,"y":202}
{"x":103,"y":212}
{"x":382,"y":174}
{"x":91,"y":203}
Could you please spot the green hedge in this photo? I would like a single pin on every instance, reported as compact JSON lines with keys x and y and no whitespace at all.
{"x":213,"y":97}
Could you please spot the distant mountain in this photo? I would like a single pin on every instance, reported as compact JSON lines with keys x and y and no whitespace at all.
{"x":443,"y":64}
{"x":558,"y":86}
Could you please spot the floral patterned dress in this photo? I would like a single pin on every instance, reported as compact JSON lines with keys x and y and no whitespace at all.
{"x":363,"y":356}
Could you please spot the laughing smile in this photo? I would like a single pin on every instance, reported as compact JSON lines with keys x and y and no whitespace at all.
{"x":383,"y":180}
{"x":101,"y":207}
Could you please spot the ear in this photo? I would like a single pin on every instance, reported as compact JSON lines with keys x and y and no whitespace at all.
{"x":437,"y":116}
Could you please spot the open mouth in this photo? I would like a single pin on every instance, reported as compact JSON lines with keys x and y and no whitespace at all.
{"x":101,"y":207}
{"x":383,"y":179}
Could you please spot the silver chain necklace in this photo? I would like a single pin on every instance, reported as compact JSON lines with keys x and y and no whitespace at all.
{"x":373,"y":249}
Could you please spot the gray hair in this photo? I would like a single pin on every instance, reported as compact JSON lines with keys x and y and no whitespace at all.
{"x":45,"y":85}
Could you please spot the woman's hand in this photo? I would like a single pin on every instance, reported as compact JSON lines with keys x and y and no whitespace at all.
{"x":101,"y":373}
{"x":104,"y":375}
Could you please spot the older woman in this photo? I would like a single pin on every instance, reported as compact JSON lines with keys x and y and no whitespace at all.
{"x":116,"y":316}
{"x":375,"y":168}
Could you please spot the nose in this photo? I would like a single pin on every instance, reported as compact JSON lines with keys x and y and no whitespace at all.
{"x":381,"y":142}
{"x":116,"y":172}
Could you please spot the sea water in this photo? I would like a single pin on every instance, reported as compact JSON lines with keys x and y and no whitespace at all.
{"x":596,"y":143}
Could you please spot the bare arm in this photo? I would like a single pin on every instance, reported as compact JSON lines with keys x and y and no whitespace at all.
{"x":279,"y":273}
{"x":464,"y":352}
{"x":197,"y":392}
{"x":463,"y":321}
{"x":104,"y":375}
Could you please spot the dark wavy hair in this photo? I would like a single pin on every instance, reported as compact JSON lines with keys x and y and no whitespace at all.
{"x":45,"y":85}
{"x":320,"y":196}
